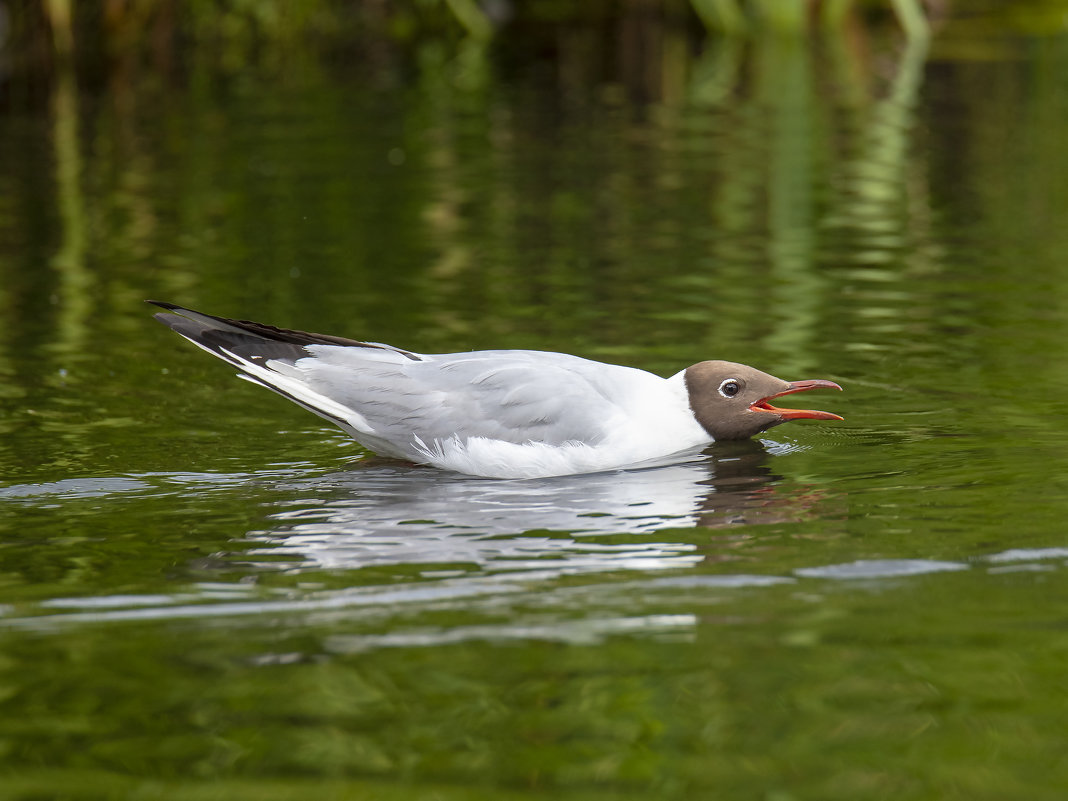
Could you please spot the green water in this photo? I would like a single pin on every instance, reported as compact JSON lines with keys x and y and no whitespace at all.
{"x":207,"y":593}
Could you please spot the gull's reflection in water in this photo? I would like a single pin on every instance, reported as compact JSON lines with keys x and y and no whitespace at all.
{"x":392,"y":514}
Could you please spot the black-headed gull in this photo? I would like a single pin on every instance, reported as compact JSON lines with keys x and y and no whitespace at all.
{"x":499,"y":413}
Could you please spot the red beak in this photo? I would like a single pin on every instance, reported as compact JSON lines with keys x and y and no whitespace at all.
{"x":762,"y":405}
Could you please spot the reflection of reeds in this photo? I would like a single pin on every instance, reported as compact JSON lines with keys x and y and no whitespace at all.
{"x":792,"y":16}
{"x":618,"y":193}
{"x":878,"y":213}
{"x":69,"y":261}
{"x":724,"y":192}
{"x":796,"y":289}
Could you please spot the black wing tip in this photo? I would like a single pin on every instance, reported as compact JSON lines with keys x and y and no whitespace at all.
{"x":267,"y":332}
{"x":165,"y":305}
{"x":172,"y":317}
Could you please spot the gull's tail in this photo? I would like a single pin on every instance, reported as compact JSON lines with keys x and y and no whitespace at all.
{"x":269,"y":356}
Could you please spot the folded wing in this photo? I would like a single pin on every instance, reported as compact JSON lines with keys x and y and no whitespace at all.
{"x":403,"y":404}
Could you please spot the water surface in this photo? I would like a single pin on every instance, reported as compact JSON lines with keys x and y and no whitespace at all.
{"x":207,"y":593}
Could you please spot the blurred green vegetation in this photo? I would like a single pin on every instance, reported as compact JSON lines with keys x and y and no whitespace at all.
{"x":236,"y":31}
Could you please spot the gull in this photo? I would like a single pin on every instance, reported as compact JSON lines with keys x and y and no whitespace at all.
{"x":499,"y":413}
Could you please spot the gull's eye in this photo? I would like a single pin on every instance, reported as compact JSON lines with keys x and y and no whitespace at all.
{"x":730,"y":388}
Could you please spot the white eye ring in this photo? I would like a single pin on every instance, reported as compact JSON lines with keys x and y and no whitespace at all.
{"x":730,"y":387}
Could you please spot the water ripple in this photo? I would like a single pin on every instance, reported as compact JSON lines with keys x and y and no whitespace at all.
{"x":527,"y":590}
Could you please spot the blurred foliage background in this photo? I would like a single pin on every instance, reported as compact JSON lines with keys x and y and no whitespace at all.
{"x":382,"y":35}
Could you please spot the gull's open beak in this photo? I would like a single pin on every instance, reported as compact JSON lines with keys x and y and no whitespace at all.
{"x":762,"y":405}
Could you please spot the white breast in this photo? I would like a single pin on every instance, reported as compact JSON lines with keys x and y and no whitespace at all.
{"x":654,"y":426}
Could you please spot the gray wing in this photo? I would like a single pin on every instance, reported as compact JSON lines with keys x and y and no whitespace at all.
{"x":391,"y":400}
{"x":514,"y":396}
